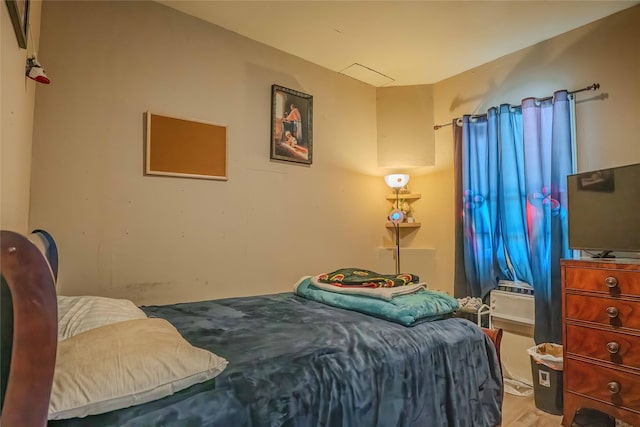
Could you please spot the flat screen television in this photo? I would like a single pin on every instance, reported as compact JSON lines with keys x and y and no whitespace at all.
{"x":604,"y":210}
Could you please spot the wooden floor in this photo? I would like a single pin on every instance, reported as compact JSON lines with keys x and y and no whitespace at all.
{"x":522,"y":412}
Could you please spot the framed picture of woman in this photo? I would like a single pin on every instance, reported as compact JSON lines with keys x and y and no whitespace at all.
{"x":291,"y":125}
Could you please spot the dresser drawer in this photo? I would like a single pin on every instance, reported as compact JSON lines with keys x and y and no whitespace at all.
{"x":606,"y":311}
{"x":605,"y":384}
{"x":609,"y":346}
{"x":616,"y":282}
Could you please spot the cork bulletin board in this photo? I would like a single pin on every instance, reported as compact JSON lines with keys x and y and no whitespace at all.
{"x":185,"y":148}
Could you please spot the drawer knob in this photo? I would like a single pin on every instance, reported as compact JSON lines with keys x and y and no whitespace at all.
{"x":613,"y":347}
{"x":614,"y":387}
{"x":611,"y":281}
{"x":612,"y":312}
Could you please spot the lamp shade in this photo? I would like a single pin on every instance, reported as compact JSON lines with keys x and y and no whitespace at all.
{"x":396,"y":180}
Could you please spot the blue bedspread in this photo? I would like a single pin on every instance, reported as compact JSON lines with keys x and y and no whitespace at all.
{"x":296,"y":362}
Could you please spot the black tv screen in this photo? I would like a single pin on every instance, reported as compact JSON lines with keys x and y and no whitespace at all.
{"x":604,"y":209}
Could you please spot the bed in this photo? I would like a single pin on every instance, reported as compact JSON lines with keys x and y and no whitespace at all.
{"x":292,"y":362}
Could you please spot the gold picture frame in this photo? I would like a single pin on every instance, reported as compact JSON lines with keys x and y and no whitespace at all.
{"x":291,"y":125}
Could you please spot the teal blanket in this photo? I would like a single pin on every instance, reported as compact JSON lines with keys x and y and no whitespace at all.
{"x":406,"y":310}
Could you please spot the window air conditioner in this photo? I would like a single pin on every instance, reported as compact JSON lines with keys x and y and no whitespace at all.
{"x":512,"y":307}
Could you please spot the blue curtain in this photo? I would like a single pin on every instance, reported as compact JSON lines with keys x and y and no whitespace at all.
{"x":548,"y":161}
{"x":512,"y":196}
{"x":515,"y":161}
{"x":479,"y":201}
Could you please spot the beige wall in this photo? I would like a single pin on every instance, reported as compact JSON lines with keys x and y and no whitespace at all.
{"x":405,"y":126}
{"x":404,"y":123}
{"x":18,"y":96}
{"x":162,"y":240}
{"x":606,"y":51}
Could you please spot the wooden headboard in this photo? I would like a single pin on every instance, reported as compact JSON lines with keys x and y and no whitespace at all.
{"x":29,"y":329}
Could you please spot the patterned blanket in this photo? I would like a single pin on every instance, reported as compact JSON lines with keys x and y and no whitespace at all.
{"x":364,"y":278}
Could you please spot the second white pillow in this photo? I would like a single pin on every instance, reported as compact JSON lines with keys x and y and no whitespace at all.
{"x":83,"y":313}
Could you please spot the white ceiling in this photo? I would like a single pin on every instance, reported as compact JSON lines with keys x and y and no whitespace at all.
{"x":412,"y":42}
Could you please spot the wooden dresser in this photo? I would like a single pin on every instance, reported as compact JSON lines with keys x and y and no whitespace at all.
{"x":601,"y":329}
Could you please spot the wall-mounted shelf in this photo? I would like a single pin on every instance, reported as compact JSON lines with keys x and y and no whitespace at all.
{"x":409,"y":196}
{"x":406,"y":198}
{"x":404,"y":225}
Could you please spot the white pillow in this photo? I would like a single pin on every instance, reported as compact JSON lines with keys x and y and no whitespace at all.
{"x":80,"y":314}
{"x":125,"y":364}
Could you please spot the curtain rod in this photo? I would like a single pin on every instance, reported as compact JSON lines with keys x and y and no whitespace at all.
{"x":594,"y":86}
